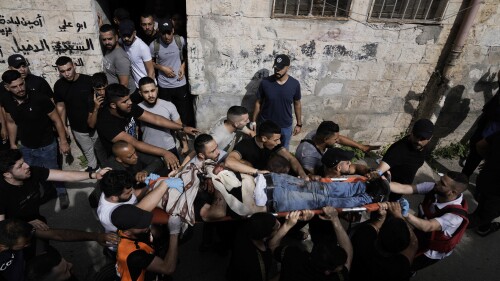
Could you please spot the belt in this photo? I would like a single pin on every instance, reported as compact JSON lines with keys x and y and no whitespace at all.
{"x":269,"y":192}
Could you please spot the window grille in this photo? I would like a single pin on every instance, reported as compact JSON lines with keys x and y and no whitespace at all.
{"x":338,"y":9}
{"x":408,"y":10}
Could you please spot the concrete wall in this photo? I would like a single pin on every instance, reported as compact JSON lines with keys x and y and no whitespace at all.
{"x":368,"y":77}
{"x":43,"y":30}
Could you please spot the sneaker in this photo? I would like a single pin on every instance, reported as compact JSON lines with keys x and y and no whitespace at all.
{"x":489,"y":229}
{"x":63,"y":200}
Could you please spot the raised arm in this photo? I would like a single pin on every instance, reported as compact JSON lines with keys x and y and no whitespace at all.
{"x":161,"y":121}
{"x":330,"y":213}
{"x":294,"y":163}
{"x":168,"y":264}
{"x":403,"y":188}
{"x":71,"y":176}
{"x":234,"y":163}
{"x":343,"y":140}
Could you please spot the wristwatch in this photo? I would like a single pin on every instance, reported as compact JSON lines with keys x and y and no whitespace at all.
{"x":299,"y":125}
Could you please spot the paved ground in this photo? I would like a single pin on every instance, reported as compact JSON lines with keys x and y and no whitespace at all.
{"x":476,"y":258}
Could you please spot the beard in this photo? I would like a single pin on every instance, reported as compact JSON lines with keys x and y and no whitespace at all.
{"x":122,"y":112}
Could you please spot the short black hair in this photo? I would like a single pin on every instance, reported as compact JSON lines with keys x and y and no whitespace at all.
{"x":114,"y":181}
{"x":200,"y":141}
{"x":236,"y":111}
{"x":267,"y":129}
{"x":8,"y":158}
{"x":146,"y":80}
{"x":147,"y":14}
{"x":63,"y":60}
{"x":107,"y":28}
{"x":11,"y":230}
{"x":327,"y":255}
{"x":115,"y":92}
{"x":10,"y":75}
{"x":121,"y":14}
{"x":99,"y":80}
{"x":260,"y":225}
{"x":40,"y":267}
{"x":326,"y":129}
{"x":278,"y":164}
{"x":461,"y":182}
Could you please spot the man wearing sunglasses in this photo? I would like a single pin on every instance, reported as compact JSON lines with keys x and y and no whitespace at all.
{"x":168,"y":54}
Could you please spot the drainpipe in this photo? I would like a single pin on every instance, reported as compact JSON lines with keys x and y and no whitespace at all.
{"x":456,"y":51}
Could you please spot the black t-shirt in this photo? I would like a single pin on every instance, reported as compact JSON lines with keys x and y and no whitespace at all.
{"x":109,"y":126}
{"x":34,"y":127}
{"x":369,"y":264}
{"x":248,"y":263}
{"x":11,"y":266}
{"x":23,"y":202}
{"x":251,"y":152}
{"x":404,"y":160}
{"x":75,"y":95}
{"x":146,"y":38}
{"x":296,"y":265}
{"x":138,"y":261}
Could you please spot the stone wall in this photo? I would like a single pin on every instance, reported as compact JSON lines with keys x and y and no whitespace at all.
{"x":43,"y":30}
{"x":368,"y":77}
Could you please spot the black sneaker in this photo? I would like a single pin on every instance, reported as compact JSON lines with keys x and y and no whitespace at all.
{"x":488,"y":229}
{"x":63,"y":200}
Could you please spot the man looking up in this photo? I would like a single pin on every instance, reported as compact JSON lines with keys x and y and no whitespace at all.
{"x":275,"y":97}
{"x":115,"y":62}
{"x":117,"y":122}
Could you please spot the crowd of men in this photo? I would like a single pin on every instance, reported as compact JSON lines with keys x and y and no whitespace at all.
{"x":135,"y":122}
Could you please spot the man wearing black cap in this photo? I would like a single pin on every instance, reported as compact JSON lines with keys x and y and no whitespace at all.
{"x":135,"y":254}
{"x":137,"y":51}
{"x":313,"y":146}
{"x":406,"y":156}
{"x":168,"y":52}
{"x":275,"y":97}
{"x":337,"y":162}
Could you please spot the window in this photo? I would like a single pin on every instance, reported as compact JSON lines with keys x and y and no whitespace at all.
{"x":408,"y":10}
{"x":338,"y":9}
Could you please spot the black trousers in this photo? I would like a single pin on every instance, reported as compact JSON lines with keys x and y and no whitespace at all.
{"x":182,"y":100}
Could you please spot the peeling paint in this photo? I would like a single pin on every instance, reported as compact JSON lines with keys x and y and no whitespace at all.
{"x":259,"y":49}
{"x":368,"y":51}
{"x":428,"y":33}
{"x":244,"y":54}
{"x":309,"y":49}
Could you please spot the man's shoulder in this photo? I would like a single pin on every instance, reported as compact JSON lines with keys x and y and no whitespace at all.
{"x":292,"y":80}
{"x":117,"y":53}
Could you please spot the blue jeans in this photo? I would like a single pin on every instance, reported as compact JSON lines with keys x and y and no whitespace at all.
{"x":45,"y":156}
{"x":291,"y":193}
{"x":286,"y":136}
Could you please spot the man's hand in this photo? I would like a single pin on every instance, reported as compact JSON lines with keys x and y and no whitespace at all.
{"x":329,"y":214}
{"x":306,"y":215}
{"x":169,"y":72}
{"x":395,"y":209}
{"x":292,"y":218}
{"x":191,"y":131}
{"x":382,"y":209}
{"x":253,"y":126}
{"x":108,"y":239}
{"x":39,"y":225}
{"x":64,"y":148}
{"x":98,"y":100}
{"x":296,"y":130}
{"x":141,"y":176}
{"x":171,"y":161}
{"x":100,"y":174}
{"x":368,"y":148}
{"x":372,"y":175}
{"x":180,"y":74}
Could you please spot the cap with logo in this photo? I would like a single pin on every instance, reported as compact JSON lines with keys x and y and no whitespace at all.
{"x":166,"y":26}
{"x":281,"y":61}
{"x":16,"y":60}
{"x":126,"y":27}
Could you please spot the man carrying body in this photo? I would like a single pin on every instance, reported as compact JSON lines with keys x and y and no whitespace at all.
{"x":72,"y":93}
{"x":170,"y":62}
{"x":116,"y":62}
{"x":135,"y":254}
{"x":313,"y":146}
{"x":250,"y":156}
{"x":31,"y":117}
{"x":406,"y":156}
{"x":117,"y":122}
{"x":138,"y":53}
{"x":442,"y":218}
{"x":275,"y":97}
{"x":153,"y":135}
{"x":149,"y":28}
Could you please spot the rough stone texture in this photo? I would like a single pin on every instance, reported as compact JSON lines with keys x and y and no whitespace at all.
{"x":44,"y":30}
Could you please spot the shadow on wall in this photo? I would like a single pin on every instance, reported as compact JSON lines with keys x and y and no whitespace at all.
{"x":249,"y":98}
{"x":453,"y":113}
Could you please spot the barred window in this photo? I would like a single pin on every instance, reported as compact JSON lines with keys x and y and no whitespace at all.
{"x":338,"y":9}
{"x":408,"y":10}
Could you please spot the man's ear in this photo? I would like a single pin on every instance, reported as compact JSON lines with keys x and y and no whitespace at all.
{"x":118,"y":159}
{"x":112,"y":105}
{"x":7,"y":175}
{"x":201,"y":156}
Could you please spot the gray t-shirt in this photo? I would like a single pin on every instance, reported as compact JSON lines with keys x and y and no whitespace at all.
{"x":159,"y":136}
{"x":308,"y":155}
{"x":117,"y":63}
{"x":222,"y":136}
{"x":168,"y":55}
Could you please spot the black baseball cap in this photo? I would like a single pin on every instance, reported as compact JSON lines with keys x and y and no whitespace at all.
{"x":423,"y":128}
{"x":16,"y":60}
{"x":333,"y":156}
{"x":166,"y":26}
{"x":126,"y":27}
{"x":129,"y":216}
{"x":281,"y":61}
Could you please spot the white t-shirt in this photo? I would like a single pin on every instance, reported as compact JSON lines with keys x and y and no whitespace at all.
{"x":159,"y":136}
{"x":449,"y":222}
{"x":138,"y":53}
{"x":105,"y":209}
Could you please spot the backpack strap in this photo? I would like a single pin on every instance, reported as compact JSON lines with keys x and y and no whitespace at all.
{"x":178,"y":42}
{"x":156,"y":50}
{"x":312,"y":143}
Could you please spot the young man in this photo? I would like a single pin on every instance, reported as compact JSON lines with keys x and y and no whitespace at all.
{"x":135,"y":254}
{"x":161,"y":137}
{"x":117,"y":122}
{"x":250,"y":156}
{"x":149,"y":28}
{"x":31,"y":118}
{"x":442,"y":218}
{"x":116,"y":62}
{"x":275,"y":97}
{"x":337,"y":163}
{"x":71,"y":94}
